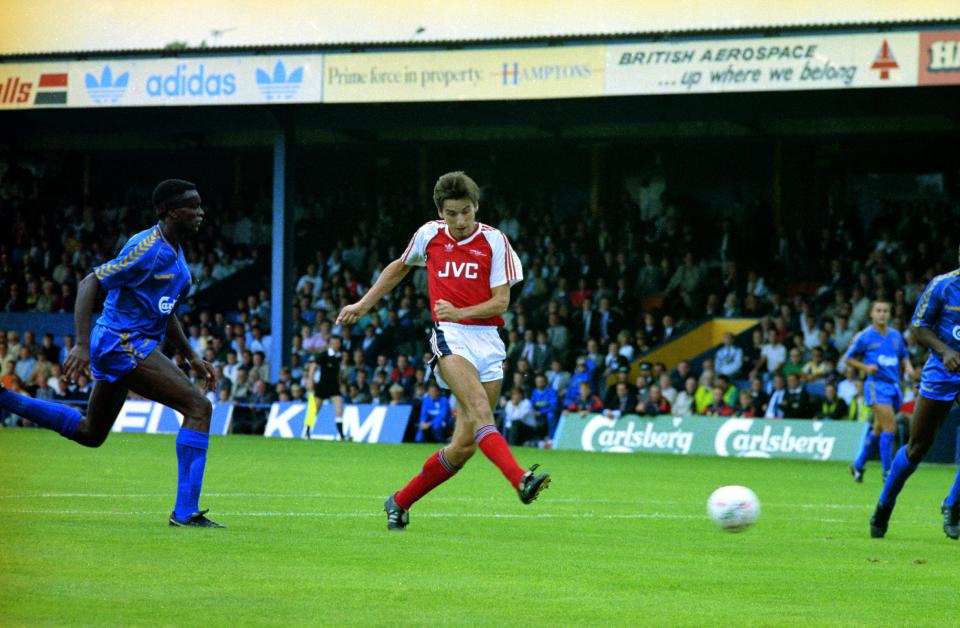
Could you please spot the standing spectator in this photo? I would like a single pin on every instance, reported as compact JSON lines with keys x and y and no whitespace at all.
{"x":758,"y":398}
{"x":775,"y":408}
{"x":729,"y":357}
{"x":545,"y":402}
{"x":435,"y":416}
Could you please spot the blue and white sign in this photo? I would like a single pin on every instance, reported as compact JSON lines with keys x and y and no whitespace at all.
{"x":150,"y":417}
{"x":361,"y":423}
{"x":235,"y":80}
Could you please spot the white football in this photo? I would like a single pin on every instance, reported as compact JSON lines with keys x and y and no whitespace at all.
{"x":733,"y":508}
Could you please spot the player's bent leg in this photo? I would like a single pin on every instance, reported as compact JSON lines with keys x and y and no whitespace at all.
{"x":105,"y":404}
{"x":159,"y":379}
{"x":927,"y":418}
{"x":58,"y":417}
{"x":866,"y":449}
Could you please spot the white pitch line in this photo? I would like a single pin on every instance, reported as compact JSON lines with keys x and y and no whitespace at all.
{"x":426,"y":515}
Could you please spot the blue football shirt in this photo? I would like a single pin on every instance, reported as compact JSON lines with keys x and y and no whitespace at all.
{"x":884,"y":351}
{"x":144,"y":283}
{"x":939,"y":309}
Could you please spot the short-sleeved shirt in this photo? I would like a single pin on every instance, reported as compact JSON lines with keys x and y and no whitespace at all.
{"x":886,"y":352}
{"x":939,"y":309}
{"x":463,"y":272}
{"x":143,"y":283}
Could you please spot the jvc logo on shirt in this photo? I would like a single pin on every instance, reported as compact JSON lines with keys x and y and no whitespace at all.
{"x":887,"y":360}
{"x":166,"y":305}
{"x":464,"y":269}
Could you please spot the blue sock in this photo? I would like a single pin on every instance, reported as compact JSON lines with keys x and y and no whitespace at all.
{"x":53,"y":416}
{"x":191,"y":460}
{"x":886,"y":451}
{"x":900,"y":470}
{"x":869,"y":441}
{"x":954,"y":495}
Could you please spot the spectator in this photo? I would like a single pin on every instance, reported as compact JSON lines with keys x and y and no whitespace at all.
{"x":729,"y":357}
{"x":758,"y":397}
{"x":774,"y":354}
{"x":775,"y":405}
{"x":718,"y":405}
{"x":545,"y":405}
{"x":847,"y":389}
{"x":667,"y":390}
{"x":622,"y":402}
{"x":796,"y":402}
{"x":704,"y":395}
{"x":584,"y":403}
{"x":655,"y":403}
{"x":520,"y":421}
{"x":816,"y":369}
{"x":794,"y":365}
{"x":435,"y":418}
{"x":685,"y":404}
{"x":558,"y":378}
{"x":745,"y":406}
{"x":859,"y":409}
{"x":832,"y":406}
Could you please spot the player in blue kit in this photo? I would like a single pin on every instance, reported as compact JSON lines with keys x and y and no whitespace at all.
{"x":879,"y":352}
{"x":143,"y":283}
{"x":936,"y":326}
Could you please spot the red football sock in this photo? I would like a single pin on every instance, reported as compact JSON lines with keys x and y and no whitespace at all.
{"x":494,"y":446}
{"x":436,"y":471}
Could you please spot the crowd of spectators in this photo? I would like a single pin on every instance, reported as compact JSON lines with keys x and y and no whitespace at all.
{"x":596,"y":297}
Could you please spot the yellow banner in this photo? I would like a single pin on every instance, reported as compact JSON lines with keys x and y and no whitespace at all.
{"x":495,"y":74}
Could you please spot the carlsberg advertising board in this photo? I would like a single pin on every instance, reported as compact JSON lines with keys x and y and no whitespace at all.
{"x":712,"y":436}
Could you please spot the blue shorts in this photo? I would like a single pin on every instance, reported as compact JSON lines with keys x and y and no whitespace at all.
{"x":875,"y":392}
{"x":114,"y":354}
{"x":937,"y":383}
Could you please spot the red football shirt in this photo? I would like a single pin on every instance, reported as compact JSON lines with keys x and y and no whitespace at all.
{"x":463,"y":272}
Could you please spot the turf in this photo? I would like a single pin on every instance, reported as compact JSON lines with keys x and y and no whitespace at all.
{"x":617,"y":539}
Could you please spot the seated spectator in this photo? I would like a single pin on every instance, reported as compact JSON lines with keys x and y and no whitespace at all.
{"x":796,"y":402}
{"x":519,"y":421}
{"x":758,"y":396}
{"x":621,"y":402}
{"x":729,"y":357}
{"x":745,"y":406}
{"x":704,"y":396}
{"x":558,"y":378}
{"x":435,"y":418}
{"x":794,"y":365}
{"x":859,"y":410}
{"x":398,"y":396}
{"x":816,"y":369}
{"x":655,"y":403}
{"x":686,"y":403}
{"x":847,"y":388}
{"x":718,"y":406}
{"x":667,"y":390}
{"x":832,"y":406}
{"x":585,"y":402}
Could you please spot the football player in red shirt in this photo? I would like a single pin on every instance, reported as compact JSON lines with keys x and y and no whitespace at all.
{"x":470,"y":268}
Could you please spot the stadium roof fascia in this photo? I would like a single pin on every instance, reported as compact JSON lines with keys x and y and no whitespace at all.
{"x":771,"y":30}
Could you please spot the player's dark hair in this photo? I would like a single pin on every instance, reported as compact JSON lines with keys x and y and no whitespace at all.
{"x":455,"y":185}
{"x":167,"y":191}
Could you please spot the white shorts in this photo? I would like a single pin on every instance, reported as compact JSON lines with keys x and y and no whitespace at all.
{"x":478,"y":344}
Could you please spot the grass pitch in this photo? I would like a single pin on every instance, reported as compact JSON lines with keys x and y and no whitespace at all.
{"x":617,"y":539}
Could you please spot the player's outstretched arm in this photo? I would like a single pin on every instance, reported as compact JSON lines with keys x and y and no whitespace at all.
{"x":182,"y":346}
{"x":389,"y":278}
{"x":78,"y":361}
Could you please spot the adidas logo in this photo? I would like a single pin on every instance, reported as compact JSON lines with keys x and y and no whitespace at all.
{"x":280,"y":86}
{"x":108,"y":89}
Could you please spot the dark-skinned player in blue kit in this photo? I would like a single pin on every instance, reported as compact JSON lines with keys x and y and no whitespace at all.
{"x":143,"y":284}
{"x":936,"y":326}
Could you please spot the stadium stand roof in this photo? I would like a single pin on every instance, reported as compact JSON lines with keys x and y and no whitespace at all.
{"x":120,"y":27}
